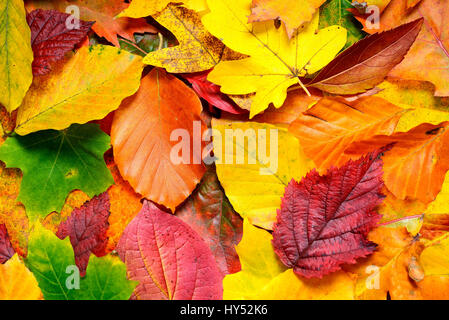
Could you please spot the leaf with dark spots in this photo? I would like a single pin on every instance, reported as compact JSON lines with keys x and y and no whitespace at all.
{"x":6,"y":250}
{"x":210,"y":214}
{"x":324,"y":220}
{"x":367,"y":62}
{"x":51,"y":38}
{"x":87,"y":227}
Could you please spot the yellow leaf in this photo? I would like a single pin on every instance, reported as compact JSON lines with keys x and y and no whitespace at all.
{"x":275,"y":62}
{"x":144,"y":8}
{"x":87,"y":87}
{"x":17,"y":282}
{"x":259,"y":265}
{"x":16,"y":55}
{"x":264,"y":277}
{"x":435,"y":258}
{"x":254,"y":179}
{"x":441,"y":203}
{"x":197,"y":51}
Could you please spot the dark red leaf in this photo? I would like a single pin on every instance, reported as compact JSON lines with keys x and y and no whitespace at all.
{"x":6,"y":250}
{"x":51,"y":39}
{"x":324,"y":220}
{"x":87,"y":227}
{"x":211,"y":92}
{"x":210,"y":214}
{"x":168,"y":258}
{"x":367,"y":62}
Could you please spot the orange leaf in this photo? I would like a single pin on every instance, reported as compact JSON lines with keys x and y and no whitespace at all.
{"x":140,"y":137}
{"x":416,"y":165}
{"x":330,"y":126}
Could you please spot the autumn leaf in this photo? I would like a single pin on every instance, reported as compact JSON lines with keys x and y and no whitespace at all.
{"x":49,"y":259}
{"x":416,"y":165}
{"x":17,"y":282}
{"x":89,"y":86}
{"x":327,"y":129}
{"x":16,"y":54}
{"x":86,"y":228}
{"x":162,"y":104}
{"x":275,"y":63}
{"x":6,"y":249}
{"x":143,"y":8}
{"x":197,"y":51}
{"x":168,"y":258}
{"x":324,"y":220}
{"x":51,"y":39}
{"x":104,"y":13}
{"x":253,"y":183}
{"x":56,"y":162}
{"x":292,"y":13}
{"x":367,"y":62}
{"x":210,"y":214}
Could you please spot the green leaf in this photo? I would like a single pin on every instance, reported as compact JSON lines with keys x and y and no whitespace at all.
{"x":56,"y":162}
{"x":334,"y":12}
{"x":143,"y":44}
{"x":52,"y":261}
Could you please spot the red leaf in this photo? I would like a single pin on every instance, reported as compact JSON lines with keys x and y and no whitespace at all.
{"x":51,"y":39}
{"x":324,"y":220}
{"x":211,"y":92}
{"x":210,"y":214}
{"x":168,"y":258}
{"x":6,"y":250}
{"x":87,"y":227}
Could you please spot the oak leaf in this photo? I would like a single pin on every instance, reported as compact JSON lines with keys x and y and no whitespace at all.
{"x":324,"y":220}
{"x":275,"y":62}
{"x":51,"y":39}
{"x":162,"y":104}
{"x":168,"y":258}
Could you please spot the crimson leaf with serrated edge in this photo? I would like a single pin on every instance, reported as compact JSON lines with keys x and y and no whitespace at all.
{"x":87,"y":227}
{"x":324,"y":220}
{"x":51,"y":39}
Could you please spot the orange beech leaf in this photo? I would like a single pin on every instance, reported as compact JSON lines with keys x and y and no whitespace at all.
{"x":292,"y":13}
{"x":416,"y":164}
{"x":331,"y":125}
{"x":124,"y":206}
{"x":103,"y":12}
{"x":141,"y":133}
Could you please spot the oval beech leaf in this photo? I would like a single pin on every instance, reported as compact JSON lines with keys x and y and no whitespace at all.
{"x":168,"y":258}
{"x":324,"y":220}
{"x":51,"y":39}
{"x":141,"y":136}
{"x":367,"y":62}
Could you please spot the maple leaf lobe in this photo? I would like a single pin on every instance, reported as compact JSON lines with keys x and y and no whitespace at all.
{"x":324,"y":220}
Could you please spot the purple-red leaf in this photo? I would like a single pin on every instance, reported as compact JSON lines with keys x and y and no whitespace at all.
{"x":211,"y":92}
{"x":6,"y":250}
{"x":51,"y":38}
{"x":168,"y":258}
{"x":87,"y":227}
{"x":324,"y":220}
{"x":367,"y":62}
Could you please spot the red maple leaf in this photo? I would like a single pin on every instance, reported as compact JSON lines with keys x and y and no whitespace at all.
{"x":211,"y":92}
{"x":87,"y":227}
{"x":51,"y":39}
{"x":324,"y":220}
{"x":6,"y":250}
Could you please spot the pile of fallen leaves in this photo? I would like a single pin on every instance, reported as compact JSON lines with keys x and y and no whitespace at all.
{"x":93,"y":207}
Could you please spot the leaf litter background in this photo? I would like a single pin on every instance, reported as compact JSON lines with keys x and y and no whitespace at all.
{"x":360,"y":191}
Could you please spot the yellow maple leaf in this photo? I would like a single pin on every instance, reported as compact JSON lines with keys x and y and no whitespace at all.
{"x":276,"y":62}
{"x":253,"y":181}
{"x":87,"y":87}
{"x":17,"y":282}
{"x":15,"y":54}
{"x":144,"y":8}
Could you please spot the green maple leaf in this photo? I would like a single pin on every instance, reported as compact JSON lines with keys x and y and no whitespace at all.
{"x":334,"y":12}
{"x":56,"y":162}
{"x":49,"y":258}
